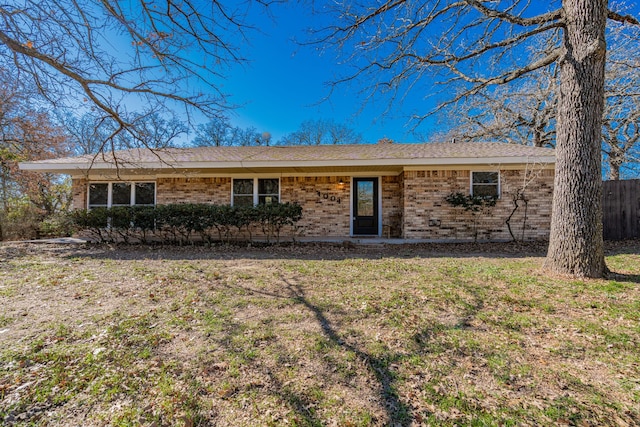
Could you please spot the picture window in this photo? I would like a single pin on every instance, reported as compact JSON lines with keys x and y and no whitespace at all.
{"x":108,"y":194}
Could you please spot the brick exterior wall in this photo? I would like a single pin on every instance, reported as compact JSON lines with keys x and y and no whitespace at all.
{"x":413,"y":205}
{"x":428,"y":216}
{"x":193,"y":190}
{"x":325,"y":203}
{"x":392,"y":205}
{"x":79,"y":190}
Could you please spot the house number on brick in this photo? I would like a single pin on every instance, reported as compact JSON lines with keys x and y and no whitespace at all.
{"x":327,"y":196}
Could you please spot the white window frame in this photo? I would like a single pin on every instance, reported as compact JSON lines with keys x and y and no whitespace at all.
{"x":256,"y":196}
{"x":132,"y":200}
{"x":471,"y":184}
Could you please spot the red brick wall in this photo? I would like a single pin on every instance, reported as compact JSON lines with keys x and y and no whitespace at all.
{"x":428,"y":216}
{"x":392,"y":205}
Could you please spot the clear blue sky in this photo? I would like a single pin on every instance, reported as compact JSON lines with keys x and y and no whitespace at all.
{"x":284,"y":83}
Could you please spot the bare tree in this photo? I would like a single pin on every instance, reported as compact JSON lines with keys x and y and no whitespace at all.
{"x":521,"y":113}
{"x":525,"y":113}
{"x":219,"y":132}
{"x":87,"y":132}
{"x":155,"y":131}
{"x":103,"y":56}
{"x":216,"y":132}
{"x":245,"y":137}
{"x":320,"y":132}
{"x":621,"y":119}
{"x":398,"y":44}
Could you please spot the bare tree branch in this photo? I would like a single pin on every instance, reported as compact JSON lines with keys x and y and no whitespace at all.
{"x":109,"y":56}
{"x":525,"y":113}
{"x":475,"y":45}
{"x":614,"y":16}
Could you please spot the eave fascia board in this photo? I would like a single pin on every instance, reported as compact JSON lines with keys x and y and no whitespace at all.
{"x":70,"y":168}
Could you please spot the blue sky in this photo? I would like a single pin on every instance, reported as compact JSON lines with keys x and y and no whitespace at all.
{"x":285,"y":83}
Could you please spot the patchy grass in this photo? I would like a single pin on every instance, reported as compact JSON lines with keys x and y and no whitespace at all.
{"x":314,"y":335}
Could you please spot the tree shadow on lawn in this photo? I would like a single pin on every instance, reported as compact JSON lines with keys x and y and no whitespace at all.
{"x":305,"y":251}
{"x":621,"y":277}
{"x":398,"y":410}
{"x":301,"y":405}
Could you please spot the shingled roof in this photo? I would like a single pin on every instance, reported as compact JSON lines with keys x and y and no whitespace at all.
{"x":387,"y":155}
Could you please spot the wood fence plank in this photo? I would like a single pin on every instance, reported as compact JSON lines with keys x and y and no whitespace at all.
{"x":621,"y":209}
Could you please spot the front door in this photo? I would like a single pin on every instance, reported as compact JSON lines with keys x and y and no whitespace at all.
{"x":365,"y":206}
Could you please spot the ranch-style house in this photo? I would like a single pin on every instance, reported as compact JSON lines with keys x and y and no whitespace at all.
{"x":385,"y":190}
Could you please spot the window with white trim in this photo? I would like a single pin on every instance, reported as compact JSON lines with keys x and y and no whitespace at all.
{"x":255,"y":191}
{"x":98,"y":195}
{"x":485,"y":184}
{"x":108,"y":194}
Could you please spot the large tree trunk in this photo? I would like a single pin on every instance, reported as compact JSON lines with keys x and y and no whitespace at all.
{"x":576,"y":245}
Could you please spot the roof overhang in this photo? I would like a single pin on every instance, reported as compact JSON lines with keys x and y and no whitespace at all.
{"x":284,"y":167}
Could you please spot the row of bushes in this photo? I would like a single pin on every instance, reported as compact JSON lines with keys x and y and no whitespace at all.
{"x":181,"y":223}
{"x":24,"y":221}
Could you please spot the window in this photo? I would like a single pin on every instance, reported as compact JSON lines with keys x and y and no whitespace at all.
{"x":485,"y":184}
{"x":120,"y":194}
{"x":145,"y":193}
{"x":268,"y":191}
{"x":243,"y":192}
{"x":255,"y":191}
{"x":98,"y":195}
{"x":107,"y":194}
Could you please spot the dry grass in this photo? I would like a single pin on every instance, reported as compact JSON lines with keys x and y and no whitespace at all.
{"x":315,"y":335}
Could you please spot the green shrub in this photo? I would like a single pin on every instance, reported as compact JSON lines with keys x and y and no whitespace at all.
{"x":56,"y":225}
{"x":95,"y":221}
{"x":179,"y":223}
{"x":20,"y":220}
{"x":243,"y":217}
{"x":470,"y":202}
{"x":144,"y":221}
{"x":274,"y":217}
{"x":222,"y":220}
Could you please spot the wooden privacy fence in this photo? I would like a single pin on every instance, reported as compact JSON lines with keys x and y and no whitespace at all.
{"x":621,"y":209}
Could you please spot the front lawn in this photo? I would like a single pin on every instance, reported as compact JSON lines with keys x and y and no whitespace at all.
{"x":314,"y":335}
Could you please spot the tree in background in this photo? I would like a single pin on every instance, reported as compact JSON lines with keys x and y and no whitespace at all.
{"x":87,"y":133}
{"x":525,"y":113}
{"x":219,"y":132}
{"x":155,"y":132}
{"x":27,"y":134}
{"x":395,"y":46}
{"x":521,"y":113}
{"x":322,"y":132}
{"x":103,"y":57}
{"x":621,"y":119}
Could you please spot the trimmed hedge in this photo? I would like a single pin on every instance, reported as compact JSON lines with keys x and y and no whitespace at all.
{"x":182,"y":223}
